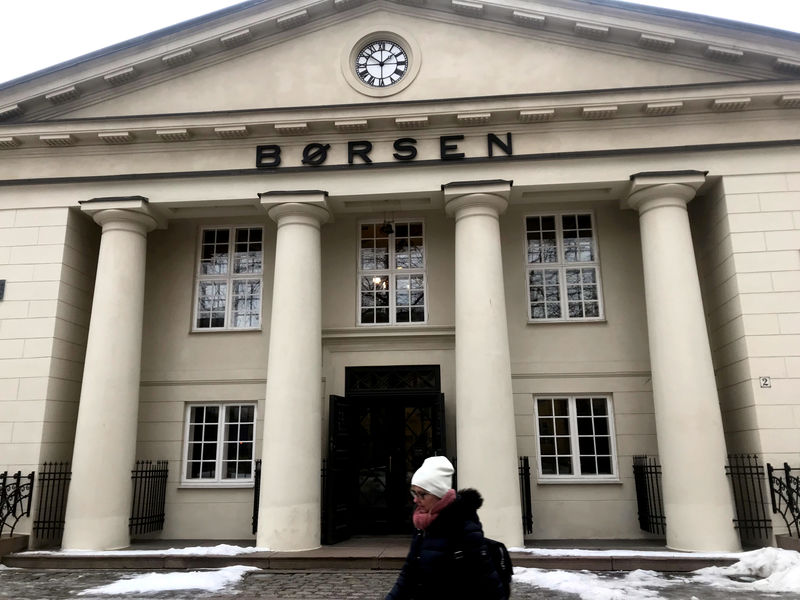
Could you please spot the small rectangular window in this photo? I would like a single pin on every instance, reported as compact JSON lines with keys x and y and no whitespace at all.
{"x":562,"y":268}
{"x":391,"y":274}
{"x":229,"y":279}
{"x":575,"y":437}
{"x":219,"y":443}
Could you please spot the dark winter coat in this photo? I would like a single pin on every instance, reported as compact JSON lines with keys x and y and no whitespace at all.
{"x":449,"y":559}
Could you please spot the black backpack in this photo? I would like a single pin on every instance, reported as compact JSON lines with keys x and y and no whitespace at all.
{"x":498,"y":554}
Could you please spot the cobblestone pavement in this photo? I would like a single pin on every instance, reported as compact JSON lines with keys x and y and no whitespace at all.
{"x":36,"y":584}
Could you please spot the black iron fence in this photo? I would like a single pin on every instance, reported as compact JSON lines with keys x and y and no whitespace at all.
{"x":149,"y":479}
{"x":747,"y":482}
{"x":784,"y":494}
{"x":54,"y":481}
{"x":149,"y":496}
{"x":525,"y":494}
{"x":257,"y":492}
{"x":16,"y":492}
{"x":747,"y":477}
{"x":649,"y":497}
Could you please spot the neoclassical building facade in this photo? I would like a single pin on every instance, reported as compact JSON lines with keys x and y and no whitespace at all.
{"x":358,"y":233}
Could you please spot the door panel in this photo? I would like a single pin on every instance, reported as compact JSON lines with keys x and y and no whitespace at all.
{"x":341,"y":477}
{"x":377,"y":442}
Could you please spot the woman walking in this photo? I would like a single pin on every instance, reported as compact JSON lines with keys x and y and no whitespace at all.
{"x":448,"y":557}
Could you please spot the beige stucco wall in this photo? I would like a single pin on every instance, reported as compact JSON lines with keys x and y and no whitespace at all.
{"x":597,"y":510}
{"x":181,"y":367}
{"x":340,"y":243}
{"x":717,"y":272}
{"x":750,"y":252}
{"x":609,"y":357}
{"x":212,"y":512}
{"x":47,"y":257}
{"x":170,"y":350}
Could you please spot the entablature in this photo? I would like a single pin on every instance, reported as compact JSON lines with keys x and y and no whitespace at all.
{"x":520,"y":113}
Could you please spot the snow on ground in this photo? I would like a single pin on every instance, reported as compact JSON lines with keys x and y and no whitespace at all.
{"x":211,"y":581}
{"x":764,"y":570}
{"x":218,"y":550}
{"x":773,"y":570}
{"x":769,"y":570}
{"x":591,"y":586}
{"x":646,"y":553}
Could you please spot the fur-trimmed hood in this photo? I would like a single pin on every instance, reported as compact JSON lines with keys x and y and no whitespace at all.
{"x":470,"y":498}
{"x":464,"y":508}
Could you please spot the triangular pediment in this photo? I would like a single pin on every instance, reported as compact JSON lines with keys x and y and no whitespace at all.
{"x":279,"y":55}
{"x":459,"y":60}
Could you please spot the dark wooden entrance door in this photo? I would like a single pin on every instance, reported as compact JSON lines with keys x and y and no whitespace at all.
{"x":378,"y":438}
{"x":394,"y":436}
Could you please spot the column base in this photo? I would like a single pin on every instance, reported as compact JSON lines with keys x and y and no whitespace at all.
{"x":96,"y":533}
{"x":289,"y":528}
{"x":700,"y":528}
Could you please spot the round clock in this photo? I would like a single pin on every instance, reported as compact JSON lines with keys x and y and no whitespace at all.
{"x":381,"y":63}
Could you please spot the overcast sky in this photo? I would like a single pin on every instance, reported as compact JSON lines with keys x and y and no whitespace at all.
{"x":36,"y":34}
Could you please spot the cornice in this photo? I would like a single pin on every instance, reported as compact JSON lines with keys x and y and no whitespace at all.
{"x":499,"y":114}
{"x":256,"y":25}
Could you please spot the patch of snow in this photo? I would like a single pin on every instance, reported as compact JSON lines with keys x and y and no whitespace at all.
{"x":211,"y":581}
{"x":591,"y":586}
{"x":643,"y":553}
{"x":775,"y":570}
{"x":218,"y":550}
{"x":768,"y":570}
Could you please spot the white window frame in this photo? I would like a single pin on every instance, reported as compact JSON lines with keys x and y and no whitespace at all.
{"x":218,"y":480}
{"x":576,"y":476}
{"x":228,"y":278}
{"x":392,"y":273}
{"x":562,"y":266}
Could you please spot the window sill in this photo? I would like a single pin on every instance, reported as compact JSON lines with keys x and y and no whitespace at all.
{"x":565,"y":321}
{"x":230,"y":330}
{"x":579,"y":481}
{"x":387,"y":330}
{"x":211,"y":485}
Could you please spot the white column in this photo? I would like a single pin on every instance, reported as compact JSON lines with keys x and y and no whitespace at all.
{"x":291,"y":458}
{"x":691,"y":443}
{"x":100,"y":493}
{"x":485,"y":429}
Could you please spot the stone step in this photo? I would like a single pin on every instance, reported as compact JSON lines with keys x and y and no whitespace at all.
{"x":330,"y":558}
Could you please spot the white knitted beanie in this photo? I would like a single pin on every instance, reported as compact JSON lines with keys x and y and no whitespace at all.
{"x":435,"y":476}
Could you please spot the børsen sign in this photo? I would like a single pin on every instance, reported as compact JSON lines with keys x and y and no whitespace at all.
{"x":270,"y":156}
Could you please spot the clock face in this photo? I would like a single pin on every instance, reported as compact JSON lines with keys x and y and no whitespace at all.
{"x":381,"y":63}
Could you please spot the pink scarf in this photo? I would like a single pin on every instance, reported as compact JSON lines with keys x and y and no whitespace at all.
{"x":422,"y":518}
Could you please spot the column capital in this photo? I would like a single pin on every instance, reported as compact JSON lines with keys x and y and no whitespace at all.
{"x":490,"y":196}
{"x":309,"y":206}
{"x":126,"y":212}
{"x":665,"y":188}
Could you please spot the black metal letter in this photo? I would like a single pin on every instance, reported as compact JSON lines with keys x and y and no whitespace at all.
{"x":315,"y":154}
{"x":406,"y":150}
{"x":360,"y":149}
{"x":268,"y":156}
{"x":493,"y":141}
{"x":445,"y":148}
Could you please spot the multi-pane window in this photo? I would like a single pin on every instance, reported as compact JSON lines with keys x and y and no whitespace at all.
{"x":219,"y":443}
{"x":575,"y":437}
{"x":563,"y":271}
{"x":391,"y":273}
{"x":229,"y":278}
